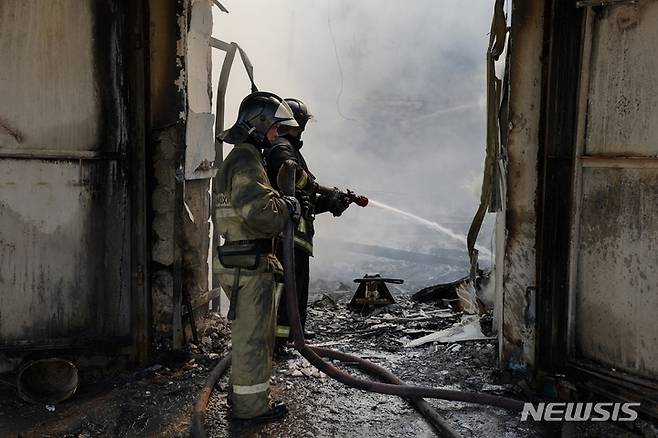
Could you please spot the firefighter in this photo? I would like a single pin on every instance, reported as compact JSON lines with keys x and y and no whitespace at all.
{"x":288,"y":147}
{"x":249,"y":214}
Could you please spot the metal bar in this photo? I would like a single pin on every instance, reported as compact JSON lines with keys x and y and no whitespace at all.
{"x":47,"y":154}
{"x":612,"y":376}
{"x":82,"y":342}
{"x":220,"y":6}
{"x":219,"y":148}
{"x":178,"y":337}
{"x":619,"y":162}
{"x":616,"y":393}
{"x":591,"y":3}
{"x":248,"y":66}
{"x":219,"y":44}
{"x":190,"y":315}
{"x":221,"y":101}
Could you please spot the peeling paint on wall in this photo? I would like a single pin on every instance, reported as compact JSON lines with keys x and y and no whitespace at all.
{"x":199,"y":151}
{"x":182,"y":104}
{"x":200,"y":144}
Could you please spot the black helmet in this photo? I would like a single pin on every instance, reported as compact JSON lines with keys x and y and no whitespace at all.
{"x":300,"y":110}
{"x":257,"y":113}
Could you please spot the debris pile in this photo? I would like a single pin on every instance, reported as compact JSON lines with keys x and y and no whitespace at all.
{"x":300,"y":367}
{"x":322,"y":407}
{"x":151,"y":401}
{"x":214,"y":337}
{"x":393,"y":326}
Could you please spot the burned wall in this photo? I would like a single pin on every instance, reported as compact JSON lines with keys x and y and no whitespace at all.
{"x":167,"y":129}
{"x":64,"y":215}
{"x":180,"y":207}
{"x":516,"y":269}
{"x":199,"y":151}
{"x":614,"y":274}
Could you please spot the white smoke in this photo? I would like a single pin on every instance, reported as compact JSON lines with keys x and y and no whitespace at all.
{"x":397,"y":90}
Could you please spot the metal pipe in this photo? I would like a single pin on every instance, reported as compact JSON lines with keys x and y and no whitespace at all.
{"x":64,"y":155}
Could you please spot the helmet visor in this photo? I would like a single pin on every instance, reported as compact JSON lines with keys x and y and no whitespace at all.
{"x":284,"y":115}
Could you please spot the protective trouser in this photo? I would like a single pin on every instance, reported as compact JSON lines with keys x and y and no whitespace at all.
{"x":302,"y":277}
{"x":252,"y":336}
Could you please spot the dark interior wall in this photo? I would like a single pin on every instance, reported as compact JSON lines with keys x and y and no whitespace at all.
{"x":96,"y":105}
{"x":166,"y":62}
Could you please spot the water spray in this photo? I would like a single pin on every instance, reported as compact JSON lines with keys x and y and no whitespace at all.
{"x":433,"y":225}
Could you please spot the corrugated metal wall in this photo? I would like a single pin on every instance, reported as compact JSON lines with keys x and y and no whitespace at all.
{"x":64,"y":220}
{"x":615,"y":278}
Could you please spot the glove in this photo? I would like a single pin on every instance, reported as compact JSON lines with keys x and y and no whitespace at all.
{"x":283,"y":174}
{"x":339,"y":203}
{"x":308,"y":208}
{"x":294,"y":208}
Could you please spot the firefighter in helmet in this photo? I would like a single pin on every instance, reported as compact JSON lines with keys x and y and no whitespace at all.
{"x":249,"y":214}
{"x":288,"y":148}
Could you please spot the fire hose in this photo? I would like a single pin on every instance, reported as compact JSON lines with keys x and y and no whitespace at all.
{"x":414,"y":394}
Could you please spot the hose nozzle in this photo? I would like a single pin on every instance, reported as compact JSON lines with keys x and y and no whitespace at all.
{"x":359,"y":200}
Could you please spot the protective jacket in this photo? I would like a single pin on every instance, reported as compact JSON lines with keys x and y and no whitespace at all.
{"x":248,"y":207}
{"x":284,"y":149}
{"x":249,"y":214}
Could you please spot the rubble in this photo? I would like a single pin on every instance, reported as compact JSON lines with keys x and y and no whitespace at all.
{"x":157,"y":400}
{"x":300,"y":367}
{"x":460,"y":294}
{"x":445,"y":291}
{"x":467,"y":330}
{"x":322,"y":407}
